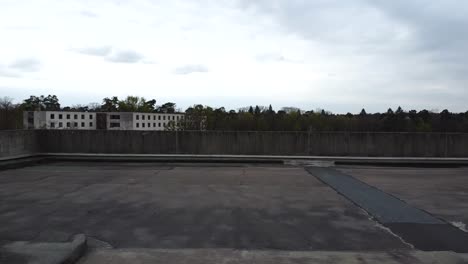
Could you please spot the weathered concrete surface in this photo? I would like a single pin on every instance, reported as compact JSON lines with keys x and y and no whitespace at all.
{"x":206,"y":256}
{"x":256,"y":143}
{"x":145,"y":205}
{"x":24,"y":252}
{"x":14,"y":143}
{"x":442,"y":192}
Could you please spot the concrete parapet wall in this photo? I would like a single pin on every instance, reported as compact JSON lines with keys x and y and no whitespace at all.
{"x":17,"y":143}
{"x":23,"y":142}
{"x":255,"y":143}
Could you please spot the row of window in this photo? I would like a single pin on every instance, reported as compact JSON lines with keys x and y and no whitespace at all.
{"x":68,"y":116}
{"x":149,"y":124}
{"x":159,"y":117}
{"x":68,"y":124}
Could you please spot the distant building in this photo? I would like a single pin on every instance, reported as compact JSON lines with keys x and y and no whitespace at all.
{"x":101,"y":120}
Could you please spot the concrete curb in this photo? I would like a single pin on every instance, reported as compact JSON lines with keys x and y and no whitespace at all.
{"x":20,"y":162}
{"x":338,"y":160}
{"x":79,"y":247}
{"x":44,"y":252}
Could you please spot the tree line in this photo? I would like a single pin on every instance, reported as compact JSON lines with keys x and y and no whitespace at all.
{"x":253,"y":118}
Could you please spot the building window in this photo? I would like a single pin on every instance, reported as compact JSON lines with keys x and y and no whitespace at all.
{"x":173,"y":117}
{"x":178,"y":118}
{"x":82,"y":124}
{"x":90,"y":116}
{"x":68,"y":116}
{"x":75,"y":116}
{"x":142,"y":117}
{"x":68,"y":124}
{"x":143,"y":124}
{"x":149,"y":117}
{"x":154,"y":117}
{"x":60,"y":124}
{"x":159,"y":117}
{"x":91,"y":124}
{"x":138,"y":124}
{"x":52,"y":125}
{"x":138,"y":117}
{"x":149,"y":124}
{"x":154,"y":124}
{"x":115,"y":117}
{"x":164,"y":117}
{"x":114,"y":124}
{"x":82,"y":117}
{"x":60,"y":116}
{"x":52,"y":116}
{"x":75,"y":124}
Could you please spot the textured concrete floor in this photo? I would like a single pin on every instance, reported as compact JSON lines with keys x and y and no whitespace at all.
{"x":442,"y":192}
{"x":169,"y":206}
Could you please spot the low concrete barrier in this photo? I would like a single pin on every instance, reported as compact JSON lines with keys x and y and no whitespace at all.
{"x":24,"y":142}
{"x":255,"y":143}
{"x":18,"y":143}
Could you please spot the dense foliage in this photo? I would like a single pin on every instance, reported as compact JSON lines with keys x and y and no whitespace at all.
{"x":256,"y":118}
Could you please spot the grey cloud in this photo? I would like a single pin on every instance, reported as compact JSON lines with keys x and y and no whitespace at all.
{"x":270,"y":57}
{"x":5,"y":72}
{"x":17,"y":68}
{"x":114,"y":55}
{"x":440,"y":28}
{"x":192,"y":68}
{"x":421,"y":43}
{"x":434,"y":26}
{"x":102,"y":51}
{"x":26,"y":65}
{"x":331,"y":20}
{"x":126,"y":56}
{"x":88,"y":13}
{"x":275,"y":57}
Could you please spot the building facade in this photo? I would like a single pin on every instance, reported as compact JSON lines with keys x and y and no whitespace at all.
{"x":102,"y":120}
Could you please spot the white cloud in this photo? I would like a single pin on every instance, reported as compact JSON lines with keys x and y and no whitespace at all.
{"x":96,"y":51}
{"x":332,"y":54}
{"x":88,"y":13}
{"x":26,"y":65}
{"x":188,"y":69}
{"x":125,"y":56}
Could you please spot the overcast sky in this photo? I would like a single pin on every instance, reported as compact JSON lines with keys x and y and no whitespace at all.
{"x":332,"y":54}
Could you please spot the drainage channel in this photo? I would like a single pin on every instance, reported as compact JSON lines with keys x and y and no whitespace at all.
{"x":415,"y":226}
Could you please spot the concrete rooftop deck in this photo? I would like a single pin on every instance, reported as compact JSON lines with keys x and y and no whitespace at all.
{"x":167,"y":209}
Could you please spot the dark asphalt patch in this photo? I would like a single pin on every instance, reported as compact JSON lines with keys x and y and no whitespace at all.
{"x":428,"y":237}
{"x":384,"y":207}
{"x":417,"y":227}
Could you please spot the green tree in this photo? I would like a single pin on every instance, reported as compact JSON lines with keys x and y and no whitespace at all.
{"x":167,"y":108}
{"x":41,"y":103}
{"x":110,"y":104}
{"x":131,"y":104}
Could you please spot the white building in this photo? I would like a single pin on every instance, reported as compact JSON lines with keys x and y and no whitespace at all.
{"x":101,"y":120}
{"x":59,"y":120}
